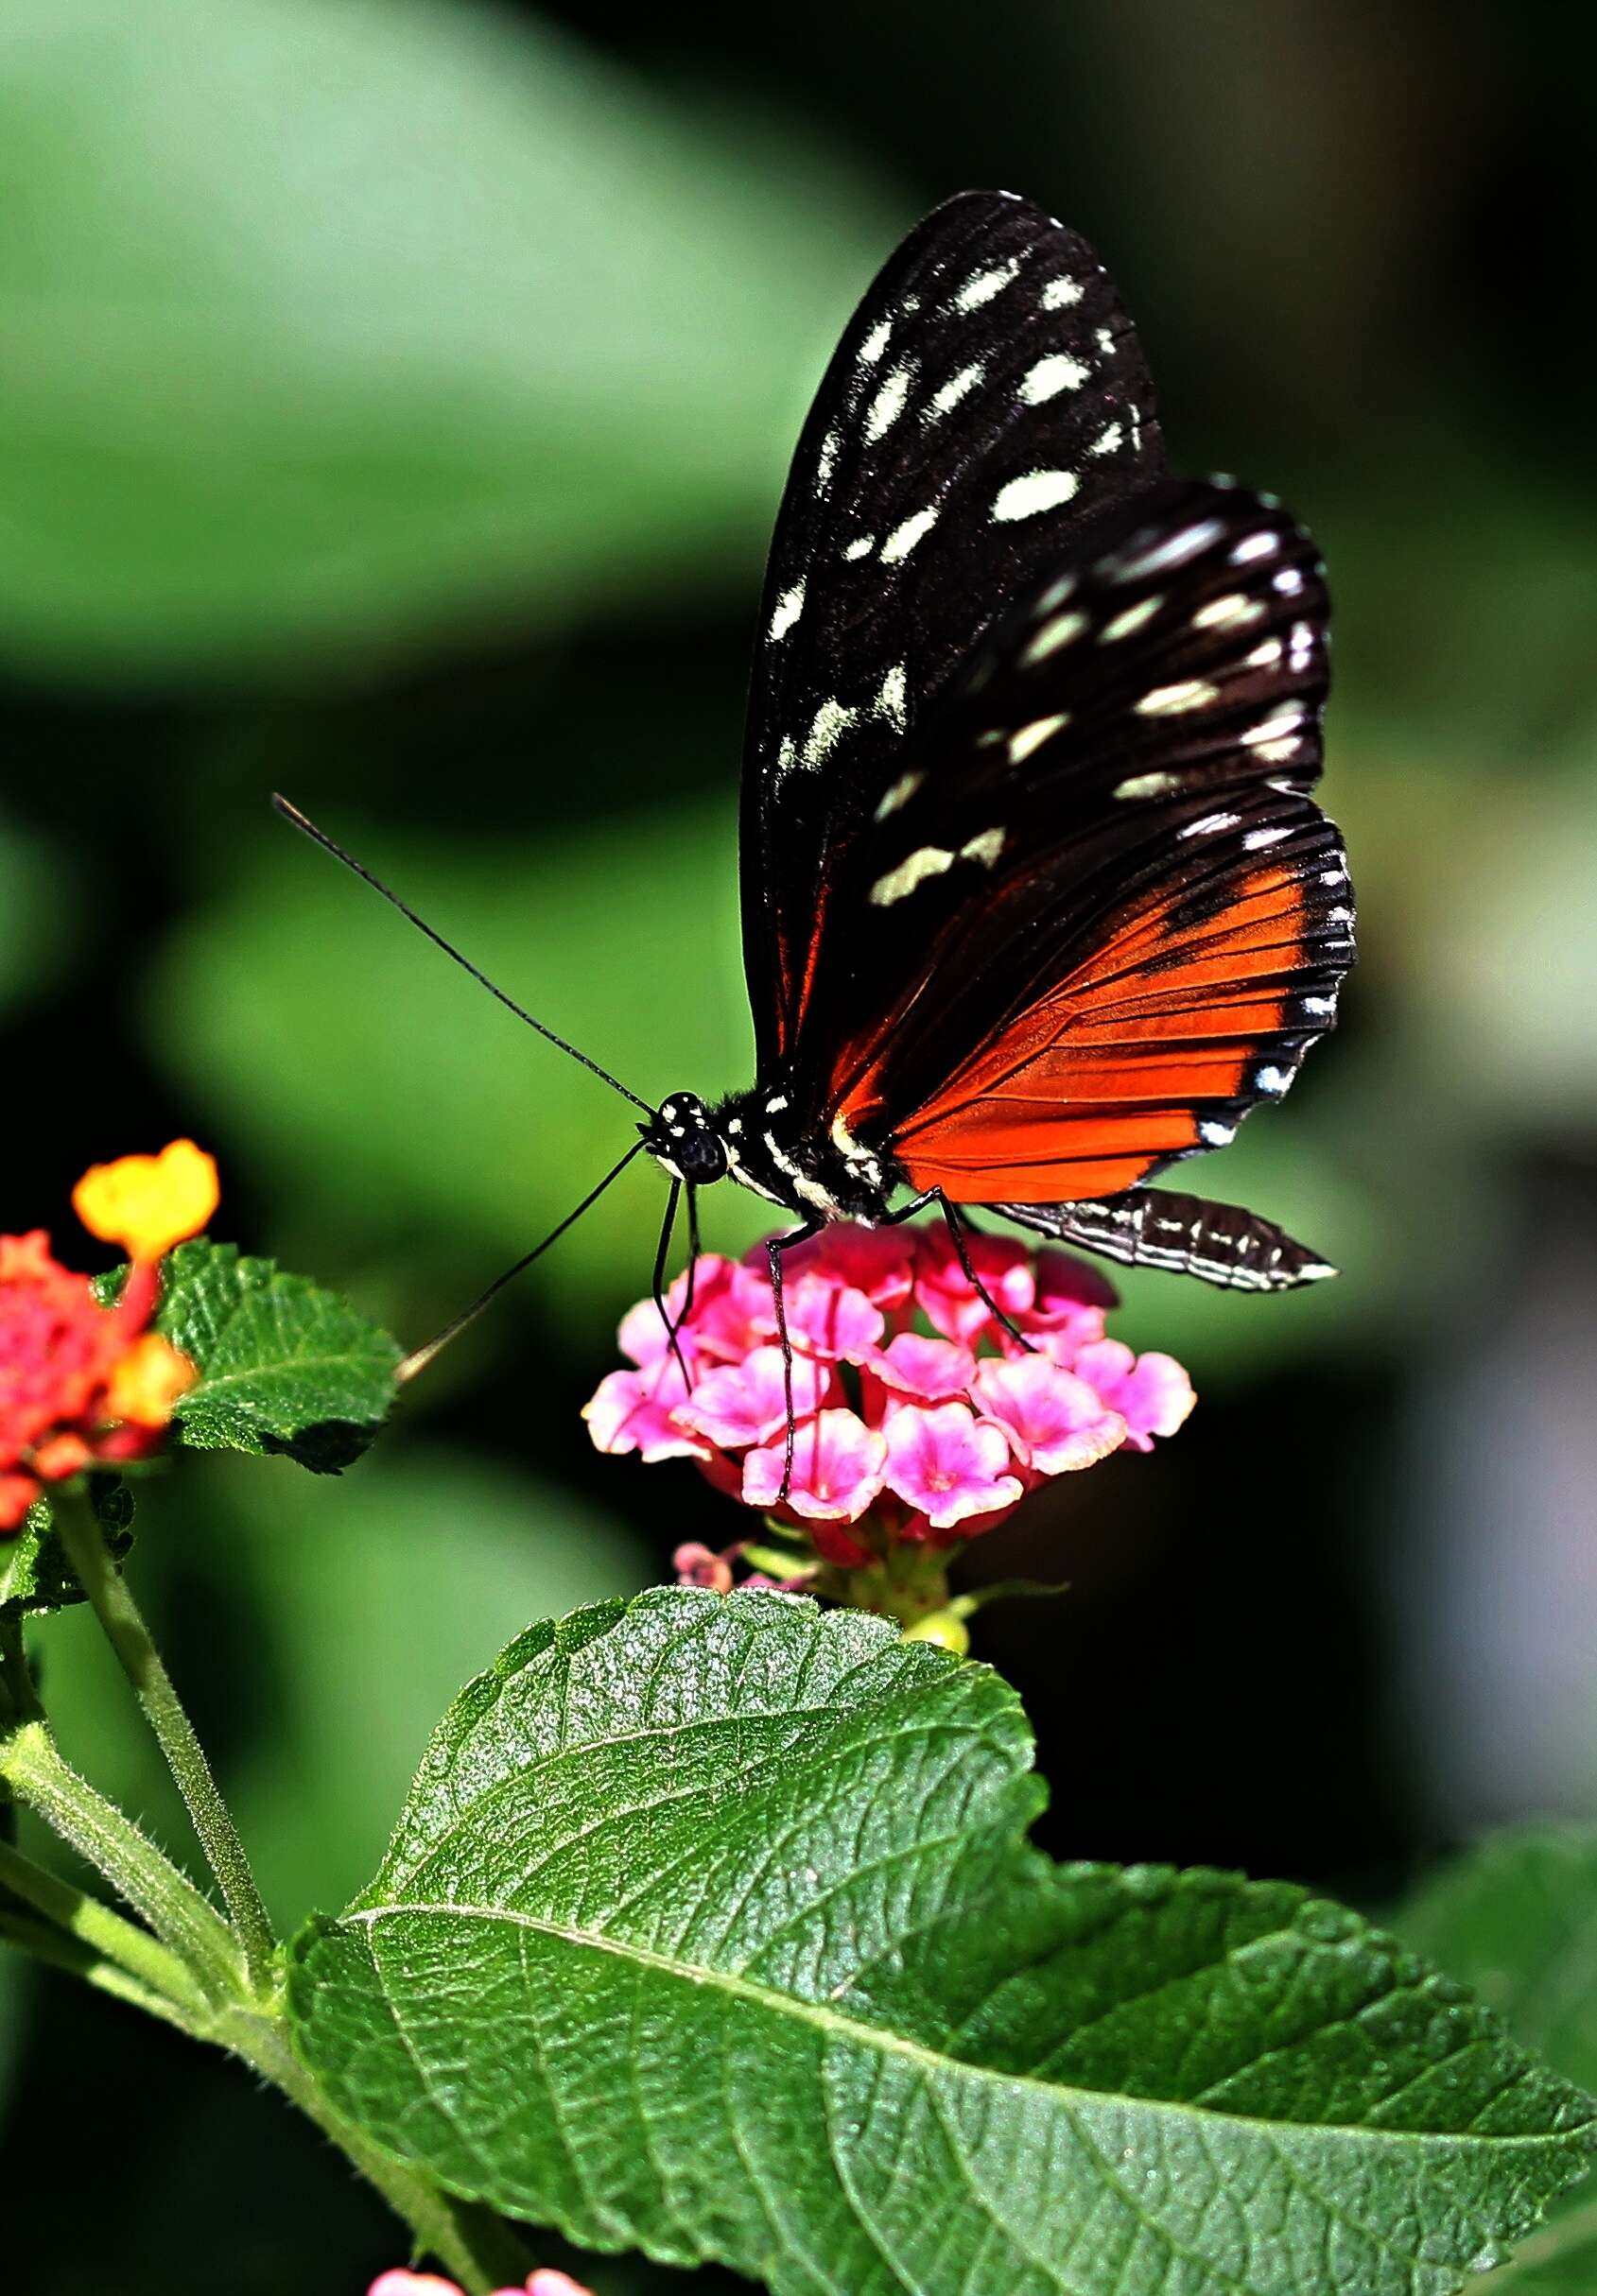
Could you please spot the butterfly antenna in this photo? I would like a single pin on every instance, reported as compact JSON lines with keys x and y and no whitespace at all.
{"x":420,"y":1358}
{"x":319,"y":837}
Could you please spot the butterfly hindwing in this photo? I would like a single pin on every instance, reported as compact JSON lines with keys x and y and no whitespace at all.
{"x":987,"y":402}
{"x":1093,"y":917}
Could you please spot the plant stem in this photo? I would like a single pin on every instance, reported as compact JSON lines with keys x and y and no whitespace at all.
{"x":479,"y":2251}
{"x":17,"y":1696}
{"x":113,"y":1844}
{"x":47,"y":1943}
{"x":95,"y":1929}
{"x":119,"y":1615}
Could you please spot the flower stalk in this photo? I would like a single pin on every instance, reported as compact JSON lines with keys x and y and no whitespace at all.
{"x":185,"y":1921}
{"x":112,"y":1602}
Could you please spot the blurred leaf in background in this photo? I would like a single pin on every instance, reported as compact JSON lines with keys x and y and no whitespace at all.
{"x":321,"y":326}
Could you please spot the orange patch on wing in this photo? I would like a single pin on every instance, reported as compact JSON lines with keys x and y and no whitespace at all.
{"x":1108,"y":1074}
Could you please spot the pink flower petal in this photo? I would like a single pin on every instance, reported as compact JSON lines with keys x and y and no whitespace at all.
{"x":546,"y":2283}
{"x":951,"y":1303}
{"x":415,"y":2284}
{"x":948,"y":1463}
{"x":633,"y":1412}
{"x":697,"y":1565}
{"x":718,"y":1326}
{"x":1054,"y":1421}
{"x":1068,"y":1311}
{"x":880,"y":1262}
{"x":746,"y":1403}
{"x":837,"y":1464}
{"x":1152,"y":1393}
{"x":929,"y":1371}
{"x":826,"y":1316}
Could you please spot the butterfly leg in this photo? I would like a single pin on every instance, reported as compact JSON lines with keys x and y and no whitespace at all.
{"x":692,"y":1251}
{"x":659,"y":1284}
{"x":959,"y":1224}
{"x":774,"y":1251}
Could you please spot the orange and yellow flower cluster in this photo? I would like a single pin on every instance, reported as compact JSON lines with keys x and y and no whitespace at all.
{"x":82,"y":1385}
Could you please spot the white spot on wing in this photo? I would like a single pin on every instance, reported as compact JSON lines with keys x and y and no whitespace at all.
{"x":1257,"y":839}
{"x":1263,"y":545}
{"x":901,"y":792}
{"x":1170,"y":701}
{"x":874,"y":343}
{"x":982,"y":285}
{"x":891,"y":699}
{"x":931,"y":861}
{"x":956,"y":387}
{"x":1049,"y":376}
{"x":1052,"y":635}
{"x":1037,"y":490}
{"x":826,"y":461}
{"x":1262,"y":656}
{"x":860,"y":547}
{"x":1271,"y":730}
{"x":1055,"y":595}
{"x":1033,"y":736}
{"x":1289,"y":582}
{"x":1060,"y":294}
{"x":1214,"y":1133}
{"x":1232,"y":611}
{"x":1148,"y":784}
{"x":1133,"y":618}
{"x":1271,"y":1078}
{"x":1107,"y":439}
{"x":889,"y":404}
{"x":828,"y":727}
{"x":1174,"y":550}
{"x":1211,"y":824}
{"x":985,"y":847}
{"x":903,"y":538}
{"x":789,"y":607}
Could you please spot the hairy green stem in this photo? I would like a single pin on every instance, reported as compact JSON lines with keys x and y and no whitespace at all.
{"x":93,"y":1928}
{"x":113,"y":1844}
{"x":119,"y":1615}
{"x":17,"y":1696}
{"x":479,"y":2251}
{"x":44,"y":1943}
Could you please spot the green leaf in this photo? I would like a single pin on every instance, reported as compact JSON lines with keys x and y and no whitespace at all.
{"x":1517,"y":1916}
{"x":709,"y":1928}
{"x":284,"y":1366}
{"x":35,"y":1575}
{"x":326,"y":323}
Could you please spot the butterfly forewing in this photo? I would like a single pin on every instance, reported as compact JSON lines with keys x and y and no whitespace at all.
{"x":987,"y":404}
{"x":1094,"y":918}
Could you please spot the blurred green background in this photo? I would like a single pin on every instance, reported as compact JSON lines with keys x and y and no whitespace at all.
{"x":394,"y":403}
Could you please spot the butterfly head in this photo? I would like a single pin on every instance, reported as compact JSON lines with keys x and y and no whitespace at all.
{"x":682,"y":1139}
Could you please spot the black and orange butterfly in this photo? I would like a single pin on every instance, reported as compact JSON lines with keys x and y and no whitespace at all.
{"x":1036,"y":901}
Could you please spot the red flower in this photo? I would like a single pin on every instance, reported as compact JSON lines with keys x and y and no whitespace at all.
{"x":81,"y":1384}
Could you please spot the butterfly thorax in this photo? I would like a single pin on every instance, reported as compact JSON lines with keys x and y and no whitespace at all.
{"x":759,"y":1139}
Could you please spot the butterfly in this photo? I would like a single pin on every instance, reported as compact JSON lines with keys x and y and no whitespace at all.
{"x":1036,"y":900}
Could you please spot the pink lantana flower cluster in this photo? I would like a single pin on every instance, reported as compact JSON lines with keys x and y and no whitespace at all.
{"x":544,"y":2283}
{"x":920,"y":1418}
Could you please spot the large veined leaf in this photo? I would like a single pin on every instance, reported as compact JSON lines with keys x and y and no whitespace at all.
{"x":326,"y":322}
{"x":709,"y":1928}
{"x":1516,"y":1915}
{"x":284,"y":1366}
